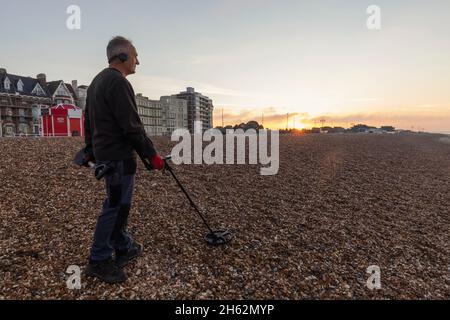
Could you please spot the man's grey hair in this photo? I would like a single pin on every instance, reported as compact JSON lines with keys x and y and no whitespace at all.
{"x":118,"y":45}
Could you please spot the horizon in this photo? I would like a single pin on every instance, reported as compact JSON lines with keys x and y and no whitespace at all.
{"x":419,"y":130}
{"x":312,"y":60}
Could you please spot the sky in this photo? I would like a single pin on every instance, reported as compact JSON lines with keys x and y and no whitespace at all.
{"x":312,"y":59}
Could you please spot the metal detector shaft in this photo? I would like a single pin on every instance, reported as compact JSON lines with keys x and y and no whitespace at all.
{"x":188,"y":196}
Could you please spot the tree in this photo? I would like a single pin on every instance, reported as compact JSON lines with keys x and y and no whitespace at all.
{"x":361,"y":128}
{"x":251,"y":125}
{"x":388,"y":128}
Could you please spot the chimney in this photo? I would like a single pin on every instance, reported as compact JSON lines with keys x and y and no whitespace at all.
{"x":42,"y":79}
{"x":75,"y":85}
{"x":190,"y":90}
{"x":2,"y":71}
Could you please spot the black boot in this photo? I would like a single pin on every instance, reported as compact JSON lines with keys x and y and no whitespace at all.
{"x":123,"y":257}
{"x":106,"y":271}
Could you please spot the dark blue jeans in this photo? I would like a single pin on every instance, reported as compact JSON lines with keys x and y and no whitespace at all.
{"x":111,"y":230}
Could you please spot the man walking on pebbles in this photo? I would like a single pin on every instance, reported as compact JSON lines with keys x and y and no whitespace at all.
{"x":114,"y":134}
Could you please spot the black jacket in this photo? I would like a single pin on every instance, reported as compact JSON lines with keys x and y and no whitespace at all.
{"x":112,"y":125}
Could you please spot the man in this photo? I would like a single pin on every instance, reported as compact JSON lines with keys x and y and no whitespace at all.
{"x":114,"y":134}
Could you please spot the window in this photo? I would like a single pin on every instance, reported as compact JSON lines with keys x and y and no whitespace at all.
{"x":38,"y":90}
{"x":62,"y":91}
{"x":20,"y":85}
{"x":7,"y":84}
{"x":23,"y":128}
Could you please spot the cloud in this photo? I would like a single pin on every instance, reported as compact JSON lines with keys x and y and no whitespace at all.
{"x":274,"y":119}
{"x":284,"y":116}
{"x":166,"y":85}
{"x":422,"y":119}
{"x":366,"y":100}
{"x":376,"y":116}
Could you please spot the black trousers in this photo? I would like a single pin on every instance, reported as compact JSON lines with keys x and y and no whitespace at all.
{"x":111,"y":229}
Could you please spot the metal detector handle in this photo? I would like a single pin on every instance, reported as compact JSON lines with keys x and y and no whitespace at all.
{"x":166,"y":163}
{"x":98,"y":175}
{"x":214,"y":237}
{"x":168,"y":168}
{"x":80,"y":160}
{"x":149,"y":166}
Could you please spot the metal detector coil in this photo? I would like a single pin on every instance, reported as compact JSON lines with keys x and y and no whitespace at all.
{"x":218,"y":237}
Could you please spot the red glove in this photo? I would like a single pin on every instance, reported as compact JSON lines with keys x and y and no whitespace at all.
{"x":157,"y":162}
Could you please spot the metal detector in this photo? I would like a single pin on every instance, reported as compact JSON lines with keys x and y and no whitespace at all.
{"x":214,"y":238}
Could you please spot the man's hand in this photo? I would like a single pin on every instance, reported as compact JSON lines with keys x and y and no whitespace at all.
{"x":88,"y":157}
{"x":156,"y":162}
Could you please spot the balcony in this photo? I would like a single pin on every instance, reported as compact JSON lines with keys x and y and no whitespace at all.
{"x":23,"y":115}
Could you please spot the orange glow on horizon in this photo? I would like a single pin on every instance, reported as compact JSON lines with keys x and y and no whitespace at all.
{"x":415,"y":120}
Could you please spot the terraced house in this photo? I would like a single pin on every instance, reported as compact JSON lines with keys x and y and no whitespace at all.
{"x":23,"y":101}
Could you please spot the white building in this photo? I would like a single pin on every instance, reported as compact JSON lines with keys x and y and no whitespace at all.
{"x":150,"y":112}
{"x":200,"y":108}
{"x":162,"y":117}
{"x":175,"y":114}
